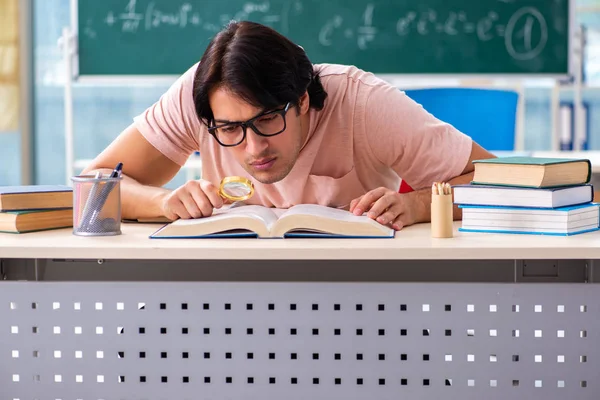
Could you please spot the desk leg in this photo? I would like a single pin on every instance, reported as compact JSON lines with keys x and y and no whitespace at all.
{"x":590,"y":273}
{"x":22,"y":269}
{"x":39,"y":269}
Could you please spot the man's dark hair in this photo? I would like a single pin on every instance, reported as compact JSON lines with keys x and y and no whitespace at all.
{"x":258,"y":64}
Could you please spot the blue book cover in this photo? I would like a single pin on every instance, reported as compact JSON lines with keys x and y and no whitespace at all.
{"x":519,"y":188}
{"x":216,"y":235}
{"x":288,"y":235}
{"x":30,"y":197}
{"x":529,"y":232}
{"x":29,"y":189}
{"x":558,"y":209}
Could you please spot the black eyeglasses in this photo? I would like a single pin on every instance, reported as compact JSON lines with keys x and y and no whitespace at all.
{"x":267,"y":124}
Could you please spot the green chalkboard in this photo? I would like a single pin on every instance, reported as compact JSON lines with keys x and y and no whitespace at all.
{"x":165,"y":37}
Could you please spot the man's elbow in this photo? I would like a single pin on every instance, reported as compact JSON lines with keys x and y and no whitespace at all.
{"x":477,"y":153}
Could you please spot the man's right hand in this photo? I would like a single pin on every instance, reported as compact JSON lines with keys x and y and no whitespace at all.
{"x":194,"y":199}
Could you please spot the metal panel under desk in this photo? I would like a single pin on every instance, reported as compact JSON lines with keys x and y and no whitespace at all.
{"x":312,"y":340}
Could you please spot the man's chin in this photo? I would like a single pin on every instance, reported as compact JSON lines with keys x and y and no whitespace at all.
{"x":267,"y":177}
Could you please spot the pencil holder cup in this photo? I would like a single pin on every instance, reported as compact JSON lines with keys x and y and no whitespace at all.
{"x":441,"y":212}
{"x":441,"y":216}
{"x":96,"y":205}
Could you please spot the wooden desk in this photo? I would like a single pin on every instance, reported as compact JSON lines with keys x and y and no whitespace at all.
{"x":413,"y":317}
{"x":411,"y":243}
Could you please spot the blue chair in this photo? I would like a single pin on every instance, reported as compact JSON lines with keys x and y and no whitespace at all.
{"x":488,"y":116}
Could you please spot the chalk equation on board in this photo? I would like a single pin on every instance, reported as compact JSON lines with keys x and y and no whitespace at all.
{"x":133,"y":19}
{"x":524,"y":32}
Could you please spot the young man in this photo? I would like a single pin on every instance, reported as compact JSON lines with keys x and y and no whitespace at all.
{"x":328,"y":134}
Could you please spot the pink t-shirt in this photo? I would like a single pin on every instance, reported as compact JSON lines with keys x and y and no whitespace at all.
{"x":369,"y":134}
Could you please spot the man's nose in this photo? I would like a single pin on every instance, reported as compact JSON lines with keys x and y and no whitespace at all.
{"x":255,"y":144}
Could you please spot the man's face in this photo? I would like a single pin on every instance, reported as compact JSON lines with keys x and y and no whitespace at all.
{"x":267,"y":159}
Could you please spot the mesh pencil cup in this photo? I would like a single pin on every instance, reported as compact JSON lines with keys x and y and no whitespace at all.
{"x":96,"y":205}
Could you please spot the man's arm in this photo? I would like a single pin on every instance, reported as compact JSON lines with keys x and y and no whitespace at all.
{"x":421,"y":150}
{"x":389,"y":207}
{"x":145,"y":170}
{"x":422,"y":198}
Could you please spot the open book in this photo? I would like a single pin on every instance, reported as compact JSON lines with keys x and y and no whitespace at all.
{"x":305,"y":220}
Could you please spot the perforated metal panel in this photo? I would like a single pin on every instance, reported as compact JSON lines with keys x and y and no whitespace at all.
{"x":298,"y":341}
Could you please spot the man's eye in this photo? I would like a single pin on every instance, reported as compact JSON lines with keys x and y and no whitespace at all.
{"x":228,"y":129}
{"x":267,"y":118}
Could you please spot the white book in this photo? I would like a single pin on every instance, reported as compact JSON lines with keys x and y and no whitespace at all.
{"x":559,"y":221}
{"x":522,"y":197}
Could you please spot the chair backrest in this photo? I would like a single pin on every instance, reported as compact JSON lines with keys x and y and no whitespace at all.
{"x":488,"y":116}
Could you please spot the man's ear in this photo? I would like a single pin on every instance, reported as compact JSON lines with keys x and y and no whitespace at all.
{"x":304,"y":103}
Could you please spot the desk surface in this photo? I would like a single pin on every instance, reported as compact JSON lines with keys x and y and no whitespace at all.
{"x":411,"y":243}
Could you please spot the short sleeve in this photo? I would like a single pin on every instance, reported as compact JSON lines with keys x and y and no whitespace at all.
{"x":171,"y":124}
{"x":404,"y":136}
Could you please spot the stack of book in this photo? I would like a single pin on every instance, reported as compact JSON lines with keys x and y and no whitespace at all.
{"x":529,"y":195}
{"x":35,"y":208}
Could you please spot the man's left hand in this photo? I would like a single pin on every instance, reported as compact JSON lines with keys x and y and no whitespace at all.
{"x":387,"y":207}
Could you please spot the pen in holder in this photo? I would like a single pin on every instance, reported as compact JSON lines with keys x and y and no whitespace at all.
{"x":441,"y":210}
{"x":97,"y":204}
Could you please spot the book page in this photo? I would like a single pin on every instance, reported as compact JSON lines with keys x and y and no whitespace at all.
{"x":266,"y":215}
{"x":252,"y":218}
{"x":263,"y":214}
{"x":325,"y":212}
{"x":317,"y":218}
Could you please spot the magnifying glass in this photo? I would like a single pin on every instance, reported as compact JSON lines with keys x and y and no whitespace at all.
{"x":236,"y":188}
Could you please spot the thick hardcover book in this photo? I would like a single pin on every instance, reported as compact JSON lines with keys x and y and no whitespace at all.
{"x":305,"y":220}
{"x":35,"y":220}
{"x":35,"y":197}
{"x":515,"y":196}
{"x":561,"y":221}
{"x":533,"y":172}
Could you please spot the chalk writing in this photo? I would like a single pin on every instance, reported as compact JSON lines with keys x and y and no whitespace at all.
{"x":132,"y":19}
{"x":367,"y":31}
{"x":327,"y":30}
{"x":524,"y":33}
{"x":518,"y":33}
